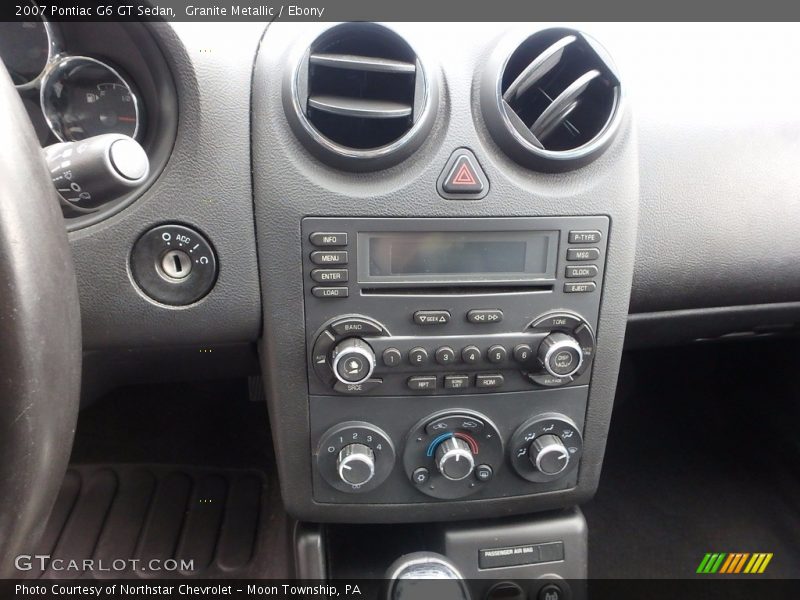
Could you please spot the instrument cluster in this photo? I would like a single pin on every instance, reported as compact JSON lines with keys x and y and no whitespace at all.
{"x":78,"y":80}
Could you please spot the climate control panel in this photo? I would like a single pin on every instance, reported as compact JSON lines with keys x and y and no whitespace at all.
{"x":417,"y":450}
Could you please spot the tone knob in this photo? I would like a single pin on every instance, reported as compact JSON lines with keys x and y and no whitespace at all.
{"x":549,"y":455}
{"x":353,"y":361}
{"x":356,"y":464}
{"x":454,"y":459}
{"x":560,"y":354}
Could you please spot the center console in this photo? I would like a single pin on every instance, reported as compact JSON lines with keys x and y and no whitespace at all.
{"x":443,"y":310}
{"x":449,"y":358}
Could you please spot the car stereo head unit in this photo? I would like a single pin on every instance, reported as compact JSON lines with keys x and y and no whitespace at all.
{"x":451,"y":306}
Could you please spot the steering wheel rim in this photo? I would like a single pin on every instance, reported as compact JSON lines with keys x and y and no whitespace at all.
{"x":40,"y":336}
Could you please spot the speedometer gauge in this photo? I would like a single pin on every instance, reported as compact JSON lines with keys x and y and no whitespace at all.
{"x":82,"y":97}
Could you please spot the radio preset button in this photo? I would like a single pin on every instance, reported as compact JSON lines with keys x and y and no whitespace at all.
{"x":579,"y":287}
{"x":580,"y":271}
{"x":497,"y":354}
{"x":418,"y":356}
{"x":422,"y":382}
{"x":337,"y":257}
{"x":471,"y":355}
{"x":432,"y":317}
{"x":582,"y":254}
{"x":494,"y":380}
{"x":391,"y":357}
{"x":456,"y":382}
{"x":330,"y":292}
{"x":323,"y":238}
{"x":522,"y":353}
{"x":585,"y":237}
{"x":329,"y":275}
{"x":480,"y":316}
{"x":445,"y":356}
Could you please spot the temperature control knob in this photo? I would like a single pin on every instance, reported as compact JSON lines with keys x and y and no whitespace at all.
{"x":356,"y":464}
{"x":454,"y":459}
{"x":560,"y":354}
{"x":549,"y":455}
{"x":353,"y":361}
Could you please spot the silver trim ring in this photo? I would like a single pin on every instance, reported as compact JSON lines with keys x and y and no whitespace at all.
{"x":455,"y":452}
{"x":60,"y":60}
{"x":354,"y":153}
{"x":368,"y":354}
{"x":54,"y":46}
{"x":550,"y":448}
{"x":603,"y":136}
{"x":570,"y":343}
{"x":365,"y":458}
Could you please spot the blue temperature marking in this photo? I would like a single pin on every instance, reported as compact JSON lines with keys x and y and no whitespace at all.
{"x":435,"y":442}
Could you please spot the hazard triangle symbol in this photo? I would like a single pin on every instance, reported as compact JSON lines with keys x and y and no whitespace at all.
{"x":462,"y":175}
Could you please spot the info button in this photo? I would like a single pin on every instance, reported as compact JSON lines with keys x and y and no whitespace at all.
{"x":483,"y":316}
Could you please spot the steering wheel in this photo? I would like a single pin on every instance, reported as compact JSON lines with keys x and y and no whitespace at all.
{"x":40,"y":336}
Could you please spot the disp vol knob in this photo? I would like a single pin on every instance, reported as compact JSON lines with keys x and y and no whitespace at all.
{"x":560,"y":354}
{"x":454,"y":459}
{"x":356,"y":464}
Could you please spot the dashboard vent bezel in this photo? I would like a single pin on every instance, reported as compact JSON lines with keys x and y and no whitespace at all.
{"x":553,"y":52}
{"x":404,"y":76}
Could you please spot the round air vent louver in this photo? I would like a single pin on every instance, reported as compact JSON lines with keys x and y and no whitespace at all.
{"x":360,"y":98}
{"x":554,"y":104}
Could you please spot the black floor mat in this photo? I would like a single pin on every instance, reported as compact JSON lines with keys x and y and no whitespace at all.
{"x":699,"y":463}
{"x":177,"y":471}
{"x":194,"y":522}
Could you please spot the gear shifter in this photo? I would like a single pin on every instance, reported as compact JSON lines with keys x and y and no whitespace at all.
{"x":97,"y":170}
{"x":425,"y":575}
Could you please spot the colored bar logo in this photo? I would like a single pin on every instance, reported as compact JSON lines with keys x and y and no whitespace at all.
{"x":734,"y":563}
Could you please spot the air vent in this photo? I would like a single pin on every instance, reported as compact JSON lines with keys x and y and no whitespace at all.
{"x":554,"y":104}
{"x":361,"y":97}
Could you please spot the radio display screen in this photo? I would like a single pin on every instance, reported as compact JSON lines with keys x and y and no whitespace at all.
{"x":453,"y":256}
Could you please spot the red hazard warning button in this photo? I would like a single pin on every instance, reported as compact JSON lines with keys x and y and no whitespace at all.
{"x":462,"y":177}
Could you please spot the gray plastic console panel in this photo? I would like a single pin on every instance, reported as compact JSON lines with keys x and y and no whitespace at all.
{"x":547,"y":546}
{"x":290,"y":185}
{"x":205,"y":185}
